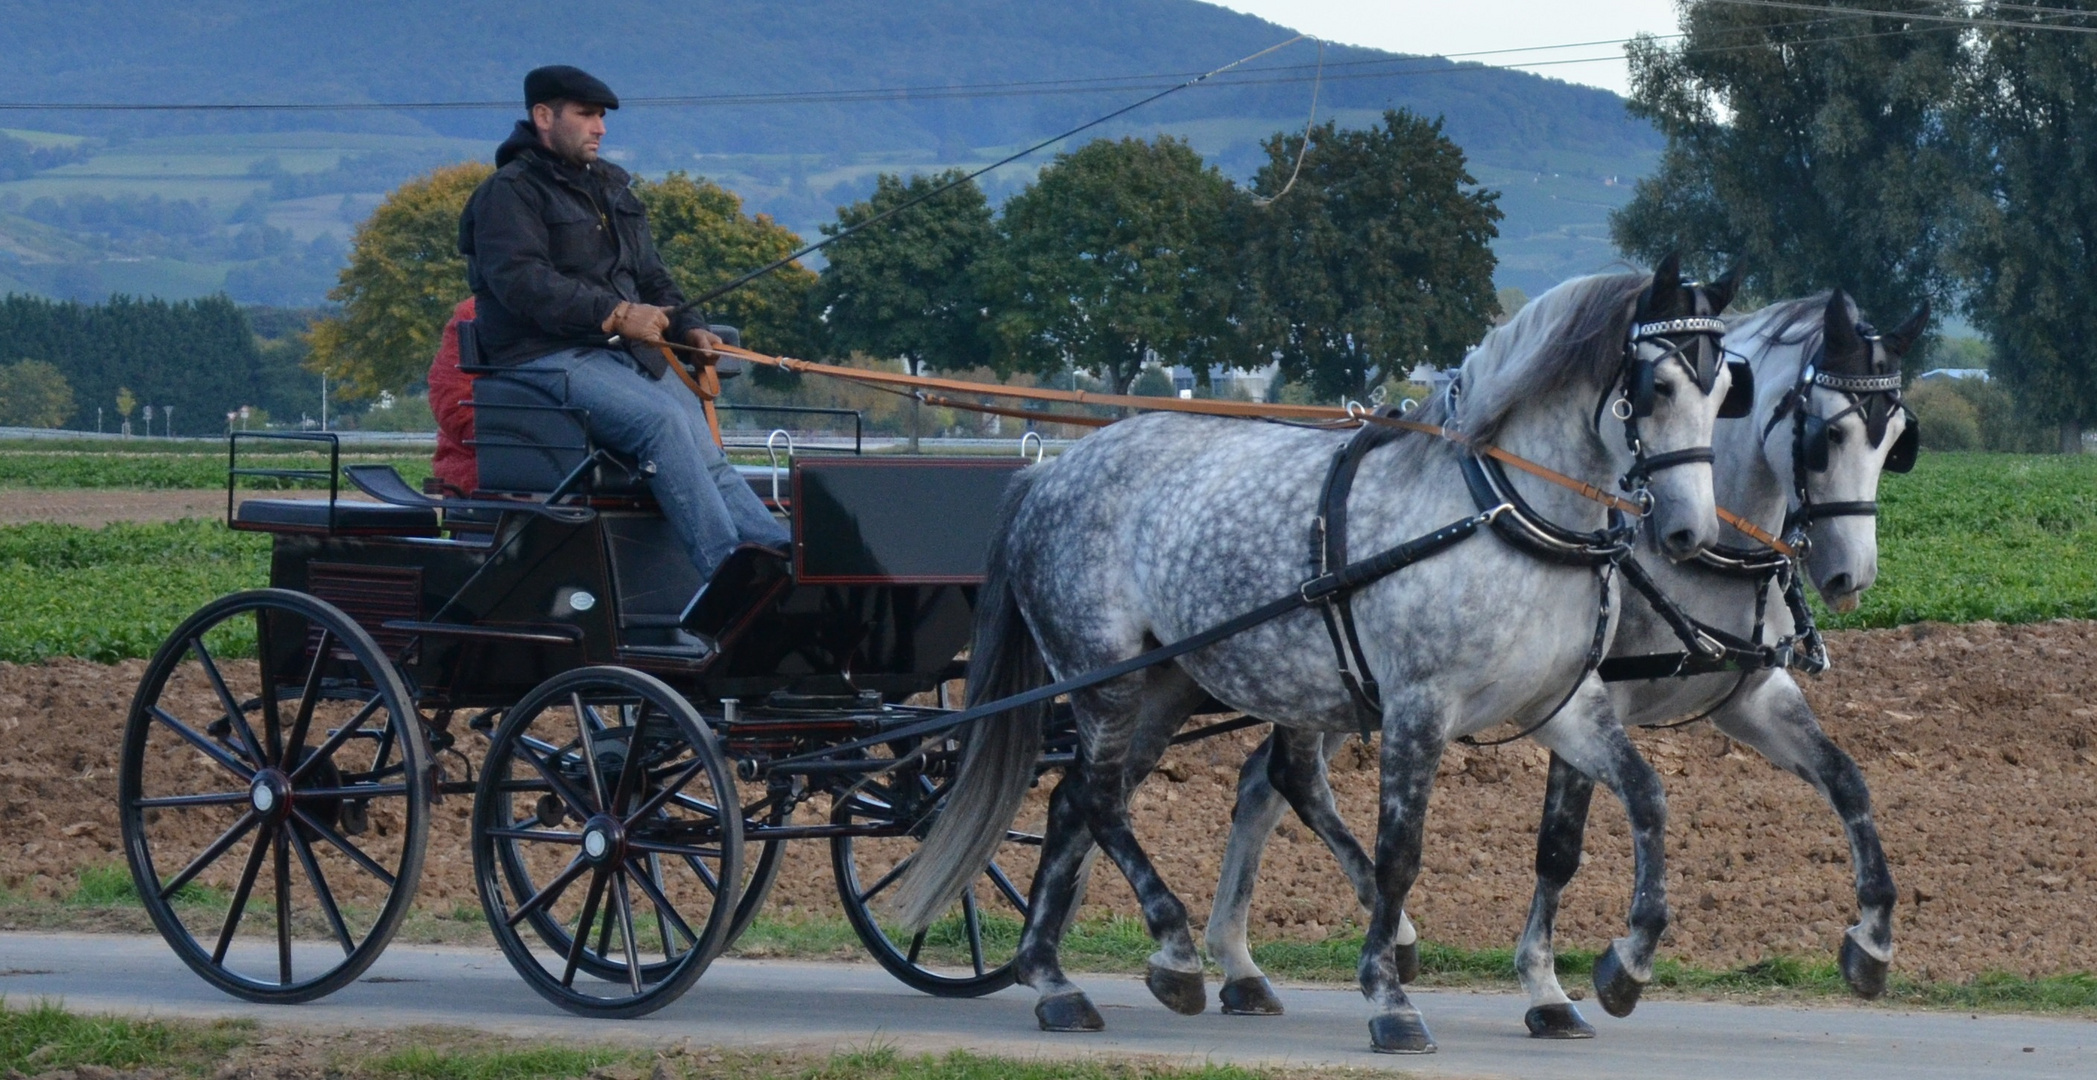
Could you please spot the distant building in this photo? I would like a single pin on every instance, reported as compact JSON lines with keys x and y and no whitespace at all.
{"x":1955,"y":373}
{"x":1254,"y":383}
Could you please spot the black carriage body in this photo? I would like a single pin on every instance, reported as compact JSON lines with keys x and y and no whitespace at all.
{"x":887,"y":556}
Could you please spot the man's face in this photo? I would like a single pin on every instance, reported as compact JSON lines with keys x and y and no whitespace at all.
{"x":571,"y":130}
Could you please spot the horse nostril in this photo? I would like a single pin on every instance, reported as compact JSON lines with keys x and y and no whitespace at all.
{"x":1837,"y":585}
{"x":1682,"y":541}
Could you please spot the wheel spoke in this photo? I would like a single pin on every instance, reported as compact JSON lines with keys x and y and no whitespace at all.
{"x":211,"y":748}
{"x":662,"y":917}
{"x":210,"y":854}
{"x":217,"y":798}
{"x":629,"y":770}
{"x":539,"y":835}
{"x":705,"y":873}
{"x":342,"y":844}
{"x":589,"y":749}
{"x":553,"y":779}
{"x":886,"y":880}
{"x":973,"y":919}
{"x":664,"y":910}
{"x":335,"y":739}
{"x":308,"y":698}
{"x":325,"y":895}
{"x":655,"y":802}
{"x":235,"y":716}
{"x":550,"y":893}
{"x":917,"y":945}
{"x":240,"y":894}
{"x":582,"y":929}
{"x":282,"y":845}
{"x":1011,"y":892}
{"x":633,"y":954}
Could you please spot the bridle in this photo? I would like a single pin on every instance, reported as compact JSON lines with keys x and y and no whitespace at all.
{"x":1809,"y":436}
{"x":1637,"y":377}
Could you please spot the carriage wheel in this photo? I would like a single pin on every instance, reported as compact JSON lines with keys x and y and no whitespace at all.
{"x":275,"y":826}
{"x":765,"y":857}
{"x":606,"y":868}
{"x":969,"y":950}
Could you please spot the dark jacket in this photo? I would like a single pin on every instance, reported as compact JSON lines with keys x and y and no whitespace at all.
{"x":552,"y":248}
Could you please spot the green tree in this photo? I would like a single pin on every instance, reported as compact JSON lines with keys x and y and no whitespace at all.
{"x":125,"y":402}
{"x":1378,"y":258}
{"x":404,"y":276}
{"x":1118,"y":254}
{"x":706,"y":240}
{"x":906,"y":287}
{"x":2029,"y":114}
{"x":34,"y":394}
{"x":1812,"y":151}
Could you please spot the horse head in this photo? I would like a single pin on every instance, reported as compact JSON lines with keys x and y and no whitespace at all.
{"x":1833,"y":432}
{"x":1675,"y":385}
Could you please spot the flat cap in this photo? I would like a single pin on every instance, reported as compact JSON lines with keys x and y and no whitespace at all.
{"x":559,"y":82}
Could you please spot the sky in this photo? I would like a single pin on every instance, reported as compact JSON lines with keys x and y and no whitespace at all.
{"x":1442,"y":27}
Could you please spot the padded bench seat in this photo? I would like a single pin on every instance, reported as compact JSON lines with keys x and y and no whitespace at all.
{"x":356,"y":517}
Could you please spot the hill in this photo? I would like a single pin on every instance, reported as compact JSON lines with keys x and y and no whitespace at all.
{"x":1551,"y":147}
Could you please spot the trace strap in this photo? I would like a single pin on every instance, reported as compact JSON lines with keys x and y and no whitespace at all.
{"x":1312,"y":591}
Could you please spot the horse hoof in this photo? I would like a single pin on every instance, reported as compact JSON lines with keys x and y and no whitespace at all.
{"x":1560,"y":1021}
{"x":1068,"y":1012}
{"x":1614,"y":987}
{"x":1409,"y":963}
{"x":1865,"y":973}
{"x":1400,"y":1033}
{"x":1181,"y":991}
{"x":1250,"y":997}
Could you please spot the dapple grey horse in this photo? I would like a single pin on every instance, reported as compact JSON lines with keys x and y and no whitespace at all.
{"x":1757,"y":477}
{"x":1165,"y":525}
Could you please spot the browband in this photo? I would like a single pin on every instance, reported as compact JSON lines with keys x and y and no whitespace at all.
{"x":1693,"y":325}
{"x":1858,"y":384}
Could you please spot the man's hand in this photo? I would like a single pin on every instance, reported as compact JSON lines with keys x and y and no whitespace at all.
{"x":704,"y":340}
{"x":638,"y":322}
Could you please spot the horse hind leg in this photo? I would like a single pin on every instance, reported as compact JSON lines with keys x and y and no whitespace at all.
{"x":1246,"y":991}
{"x":1779,"y":724}
{"x":1587,"y":736}
{"x":1059,"y":877}
{"x":1559,"y":839}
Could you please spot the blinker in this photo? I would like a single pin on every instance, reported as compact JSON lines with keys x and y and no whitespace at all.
{"x":1740,"y":393}
{"x":1901,"y":458}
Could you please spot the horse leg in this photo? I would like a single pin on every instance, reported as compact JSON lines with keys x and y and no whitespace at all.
{"x":1254,"y":816}
{"x":1174,"y":971}
{"x":1559,"y":838}
{"x":1304,"y":779}
{"x":1412,"y":750}
{"x":1780,"y":725}
{"x":1066,"y":857}
{"x":1587,"y":736}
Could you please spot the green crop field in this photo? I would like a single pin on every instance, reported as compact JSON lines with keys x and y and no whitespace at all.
{"x":1964,"y":537}
{"x":160,"y":464}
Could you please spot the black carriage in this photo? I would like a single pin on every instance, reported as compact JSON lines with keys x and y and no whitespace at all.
{"x":644,"y":756}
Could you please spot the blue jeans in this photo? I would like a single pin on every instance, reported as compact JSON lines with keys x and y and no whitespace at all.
{"x":661,"y":421}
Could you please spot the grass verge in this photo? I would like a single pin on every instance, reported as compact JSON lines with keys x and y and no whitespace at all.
{"x":45,"y":1037}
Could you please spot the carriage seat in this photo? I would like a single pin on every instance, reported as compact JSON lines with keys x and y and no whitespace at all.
{"x":349,"y":517}
{"x":527,"y":441}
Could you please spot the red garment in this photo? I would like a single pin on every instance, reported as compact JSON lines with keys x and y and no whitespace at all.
{"x":451,"y":398}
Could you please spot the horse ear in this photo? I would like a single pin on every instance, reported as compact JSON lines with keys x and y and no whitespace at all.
{"x":1903,"y":337}
{"x":1667,"y":279}
{"x":1839,"y":327}
{"x":1721,"y":293}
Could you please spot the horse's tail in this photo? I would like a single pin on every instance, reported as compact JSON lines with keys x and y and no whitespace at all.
{"x":997,"y":761}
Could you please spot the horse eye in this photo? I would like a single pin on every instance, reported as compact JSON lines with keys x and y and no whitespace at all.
{"x":1836,"y":435}
{"x":1665,"y":389}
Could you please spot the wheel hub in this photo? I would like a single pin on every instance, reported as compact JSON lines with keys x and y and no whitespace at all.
{"x":603,"y":840}
{"x":270,"y":794}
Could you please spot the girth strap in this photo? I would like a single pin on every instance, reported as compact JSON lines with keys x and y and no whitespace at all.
{"x":1329,"y":550}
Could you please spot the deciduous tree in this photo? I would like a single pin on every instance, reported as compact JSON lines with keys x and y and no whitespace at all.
{"x":1118,"y":253}
{"x":1811,"y":151}
{"x":707,"y":240}
{"x":1376,"y":259}
{"x":906,"y":288}
{"x":2030,"y":119}
{"x":34,"y":394}
{"x":404,"y":275}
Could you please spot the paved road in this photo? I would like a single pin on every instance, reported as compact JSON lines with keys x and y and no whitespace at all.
{"x":832,"y":1006}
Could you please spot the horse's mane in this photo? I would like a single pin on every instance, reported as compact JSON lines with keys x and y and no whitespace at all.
{"x":1573,"y":333}
{"x":1800,"y":322}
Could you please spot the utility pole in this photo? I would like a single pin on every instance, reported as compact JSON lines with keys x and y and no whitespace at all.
{"x":98,"y":419}
{"x":324,"y":401}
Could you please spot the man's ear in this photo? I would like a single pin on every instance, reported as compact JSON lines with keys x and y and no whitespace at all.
{"x":543,"y":116}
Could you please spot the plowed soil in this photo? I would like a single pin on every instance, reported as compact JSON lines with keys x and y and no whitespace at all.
{"x":1979,"y":743}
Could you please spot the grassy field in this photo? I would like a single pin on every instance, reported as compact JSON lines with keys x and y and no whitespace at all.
{"x":114,"y":593}
{"x":162,"y":464}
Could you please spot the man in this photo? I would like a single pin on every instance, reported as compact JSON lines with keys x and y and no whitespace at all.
{"x":560,"y":262}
